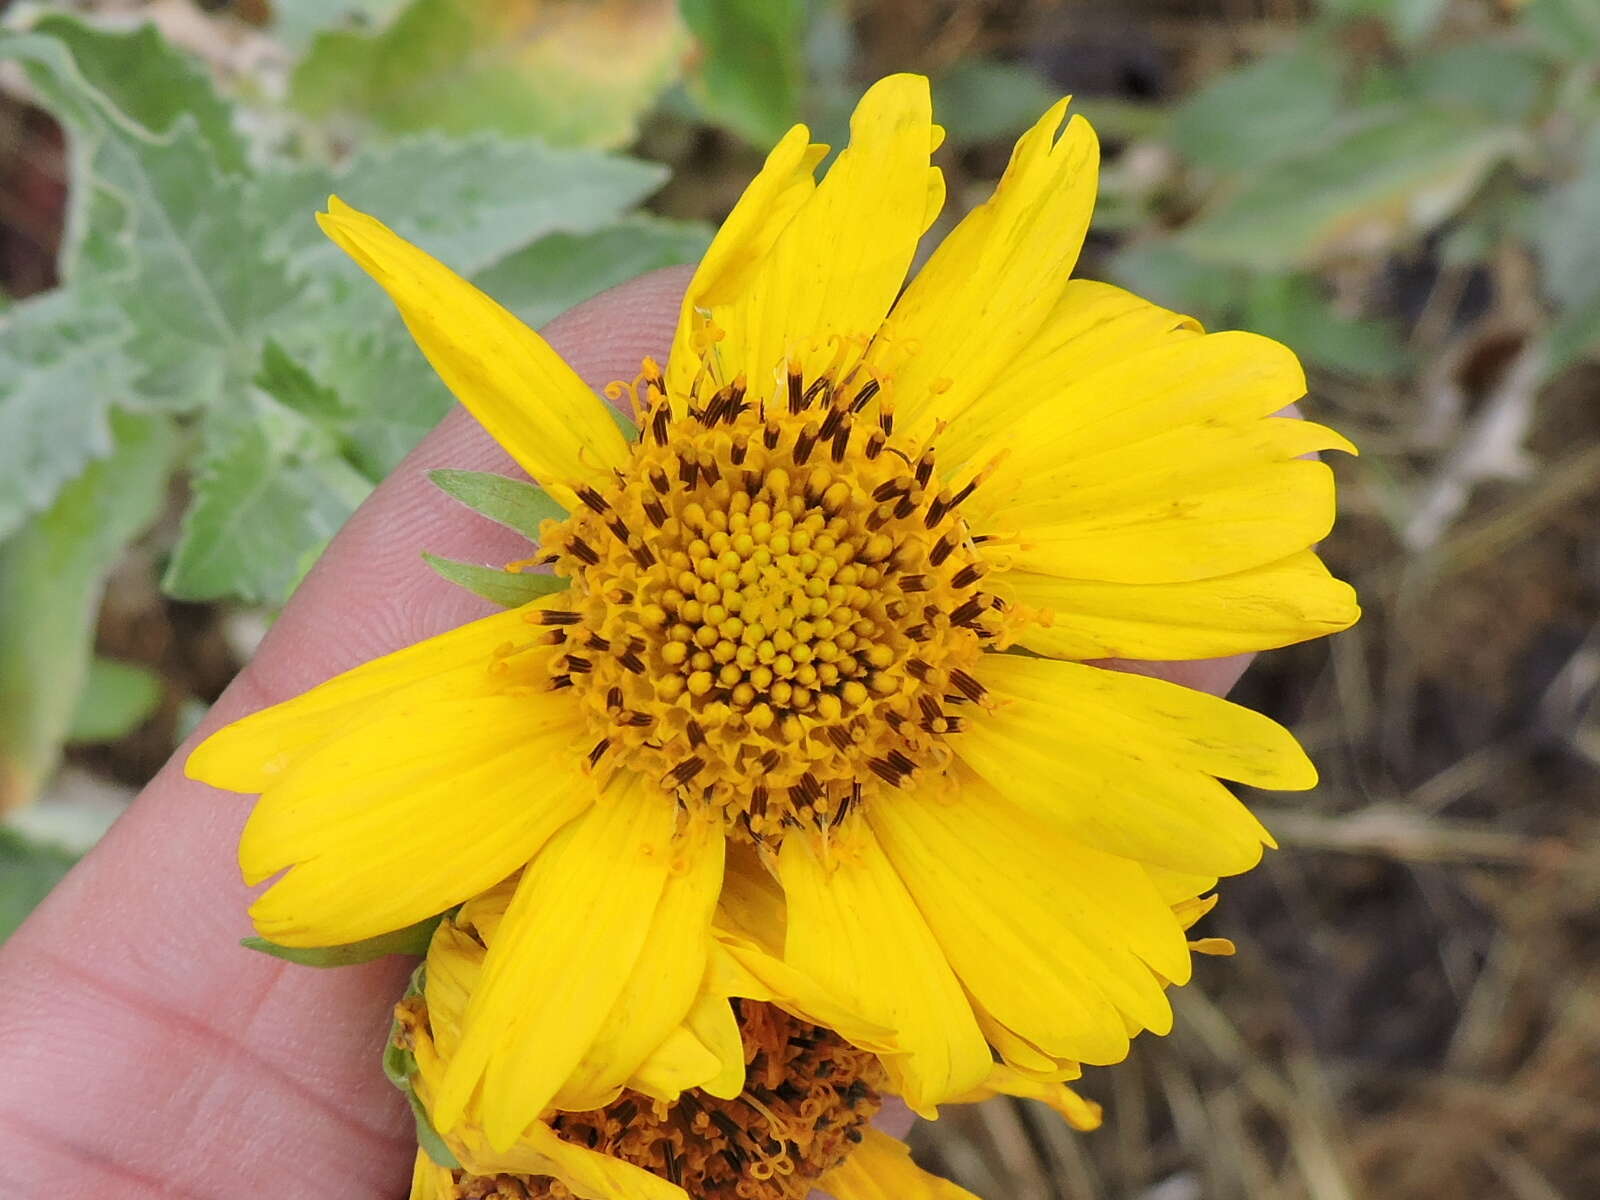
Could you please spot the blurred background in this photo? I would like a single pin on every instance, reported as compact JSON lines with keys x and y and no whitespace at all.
{"x":196,"y":390}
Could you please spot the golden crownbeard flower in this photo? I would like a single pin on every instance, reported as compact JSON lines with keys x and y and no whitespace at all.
{"x":830,"y":614}
{"x":778,"y":1104}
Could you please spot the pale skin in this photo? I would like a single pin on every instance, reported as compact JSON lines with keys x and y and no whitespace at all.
{"x":145,"y":1053}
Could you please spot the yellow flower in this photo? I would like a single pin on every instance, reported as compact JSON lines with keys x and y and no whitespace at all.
{"x":784,"y":641}
{"x":753,"y":1099}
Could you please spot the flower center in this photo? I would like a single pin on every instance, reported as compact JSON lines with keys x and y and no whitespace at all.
{"x":807,"y":1095}
{"x":775,"y":604}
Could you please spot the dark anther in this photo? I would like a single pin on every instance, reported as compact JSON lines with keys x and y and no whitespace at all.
{"x":579,"y":664}
{"x":839,"y":736}
{"x":631,"y":660}
{"x":811,"y":787}
{"x":925,"y":468}
{"x":592,"y":499}
{"x":770,"y":435}
{"x":888,"y":490}
{"x":708,"y":468}
{"x":968,"y":611}
{"x":919,"y":633}
{"x":942,"y":549}
{"x":937,"y":510}
{"x":636,"y":719}
{"x":642,"y":555}
{"x":559,"y":682}
{"x":674,"y":1171}
{"x":686,"y":770}
{"x":884,"y":771}
{"x":816,"y":389}
{"x":688,"y":470}
{"x":865,"y":395}
{"x":758,"y":800}
{"x":619,"y":529}
{"x":796,"y":397}
{"x":804,"y":443}
{"x":968,"y":574}
{"x":929,"y":707}
{"x":918,"y":669}
{"x":741,"y":447}
{"x":626,"y":1112}
{"x":903,"y":509}
{"x":557,"y":616}
{"x":659,"y":480}
{"x":770,"y":760}
{"x":697,"y":735}
{"x":830,"y":423}
{"x":914,"y":583}
{"x":595,"y":642}
{"x":964,"y":492}
{"x":599,"y":750}
{"x":879,"y":518}
{"x":653,"y":510}
{"x":886,"y":420}
{"x":614,"y":698}
{"x":581,"y":549}
{"x":967,"y":685}
{"x":841,"y":442}
{"x":875,"y":444}
{"x":658,"y":422}
{"x":901,"y":763}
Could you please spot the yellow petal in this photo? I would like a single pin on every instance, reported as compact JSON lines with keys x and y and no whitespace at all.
{"x":768,"y":204}
{"x":880,"y":1168}
{"x":430,"y":1181}
{"x":855,"y":929}
{"x":1057,"y":941}
{"x":984,"y":294}
{"x":589,"y":1174}
{"x":409,"y":813}
{"x":742,"y":968}
{"x":1193,"y":503}
{"x":1260,"y":608}
{"x":560,"y":960}
{"x":521,"y":391}
{"x":704,"y":1052}
{"x":838,"y":264}
{"x":1126,"y":763}
{"x":248,"y":754}
{"x":455,"y":966}
{"x":1004,"y":1081}
{"x":665,"y":978}
{"x":1091,"y":326}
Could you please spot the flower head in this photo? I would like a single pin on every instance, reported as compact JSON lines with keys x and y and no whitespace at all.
{"x":821,"y":656}
{"x":778,"y":1106}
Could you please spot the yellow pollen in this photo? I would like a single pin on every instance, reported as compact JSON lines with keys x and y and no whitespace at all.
{"x":775,"y":605}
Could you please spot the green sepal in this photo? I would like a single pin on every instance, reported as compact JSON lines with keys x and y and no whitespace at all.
{"x":400,"y":1066}
{"x":514,"y":503}
{"x":508,"y":589}
{"x":411,"y":940}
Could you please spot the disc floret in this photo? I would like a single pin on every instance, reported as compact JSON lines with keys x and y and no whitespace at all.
{"x":776,"y":603}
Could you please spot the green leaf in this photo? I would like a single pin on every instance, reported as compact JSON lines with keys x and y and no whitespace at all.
{"x":469,"y":201}
{"x":1494,"y":78}
{"x":574,"y":72}
{"x":411,"y":940}
{"x":281,"y":377}
{"x":1564,"y":225}
{"x":1569,"y":29}
{"x":149,"y":81}
{"x":1393,"y":173}
{"x":1261,"y":112}
{"x":514,"y":503}
{"x":28,"y":870}
{"x":980,"y":100}
{"x":116,"y":698}
{"x":750,"y":74}
{"x":400,"y":1068}
{"x":269,"y":485}
{"x":509,"y":589}
{"x":564,"y":269}
{"x":1161,"y":271}
{"x":1293,"y":309}
{"x":52,"y":573}
{"x":62,"y":363}
{"x":296,"y":22}
{"x":391,"y":392}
